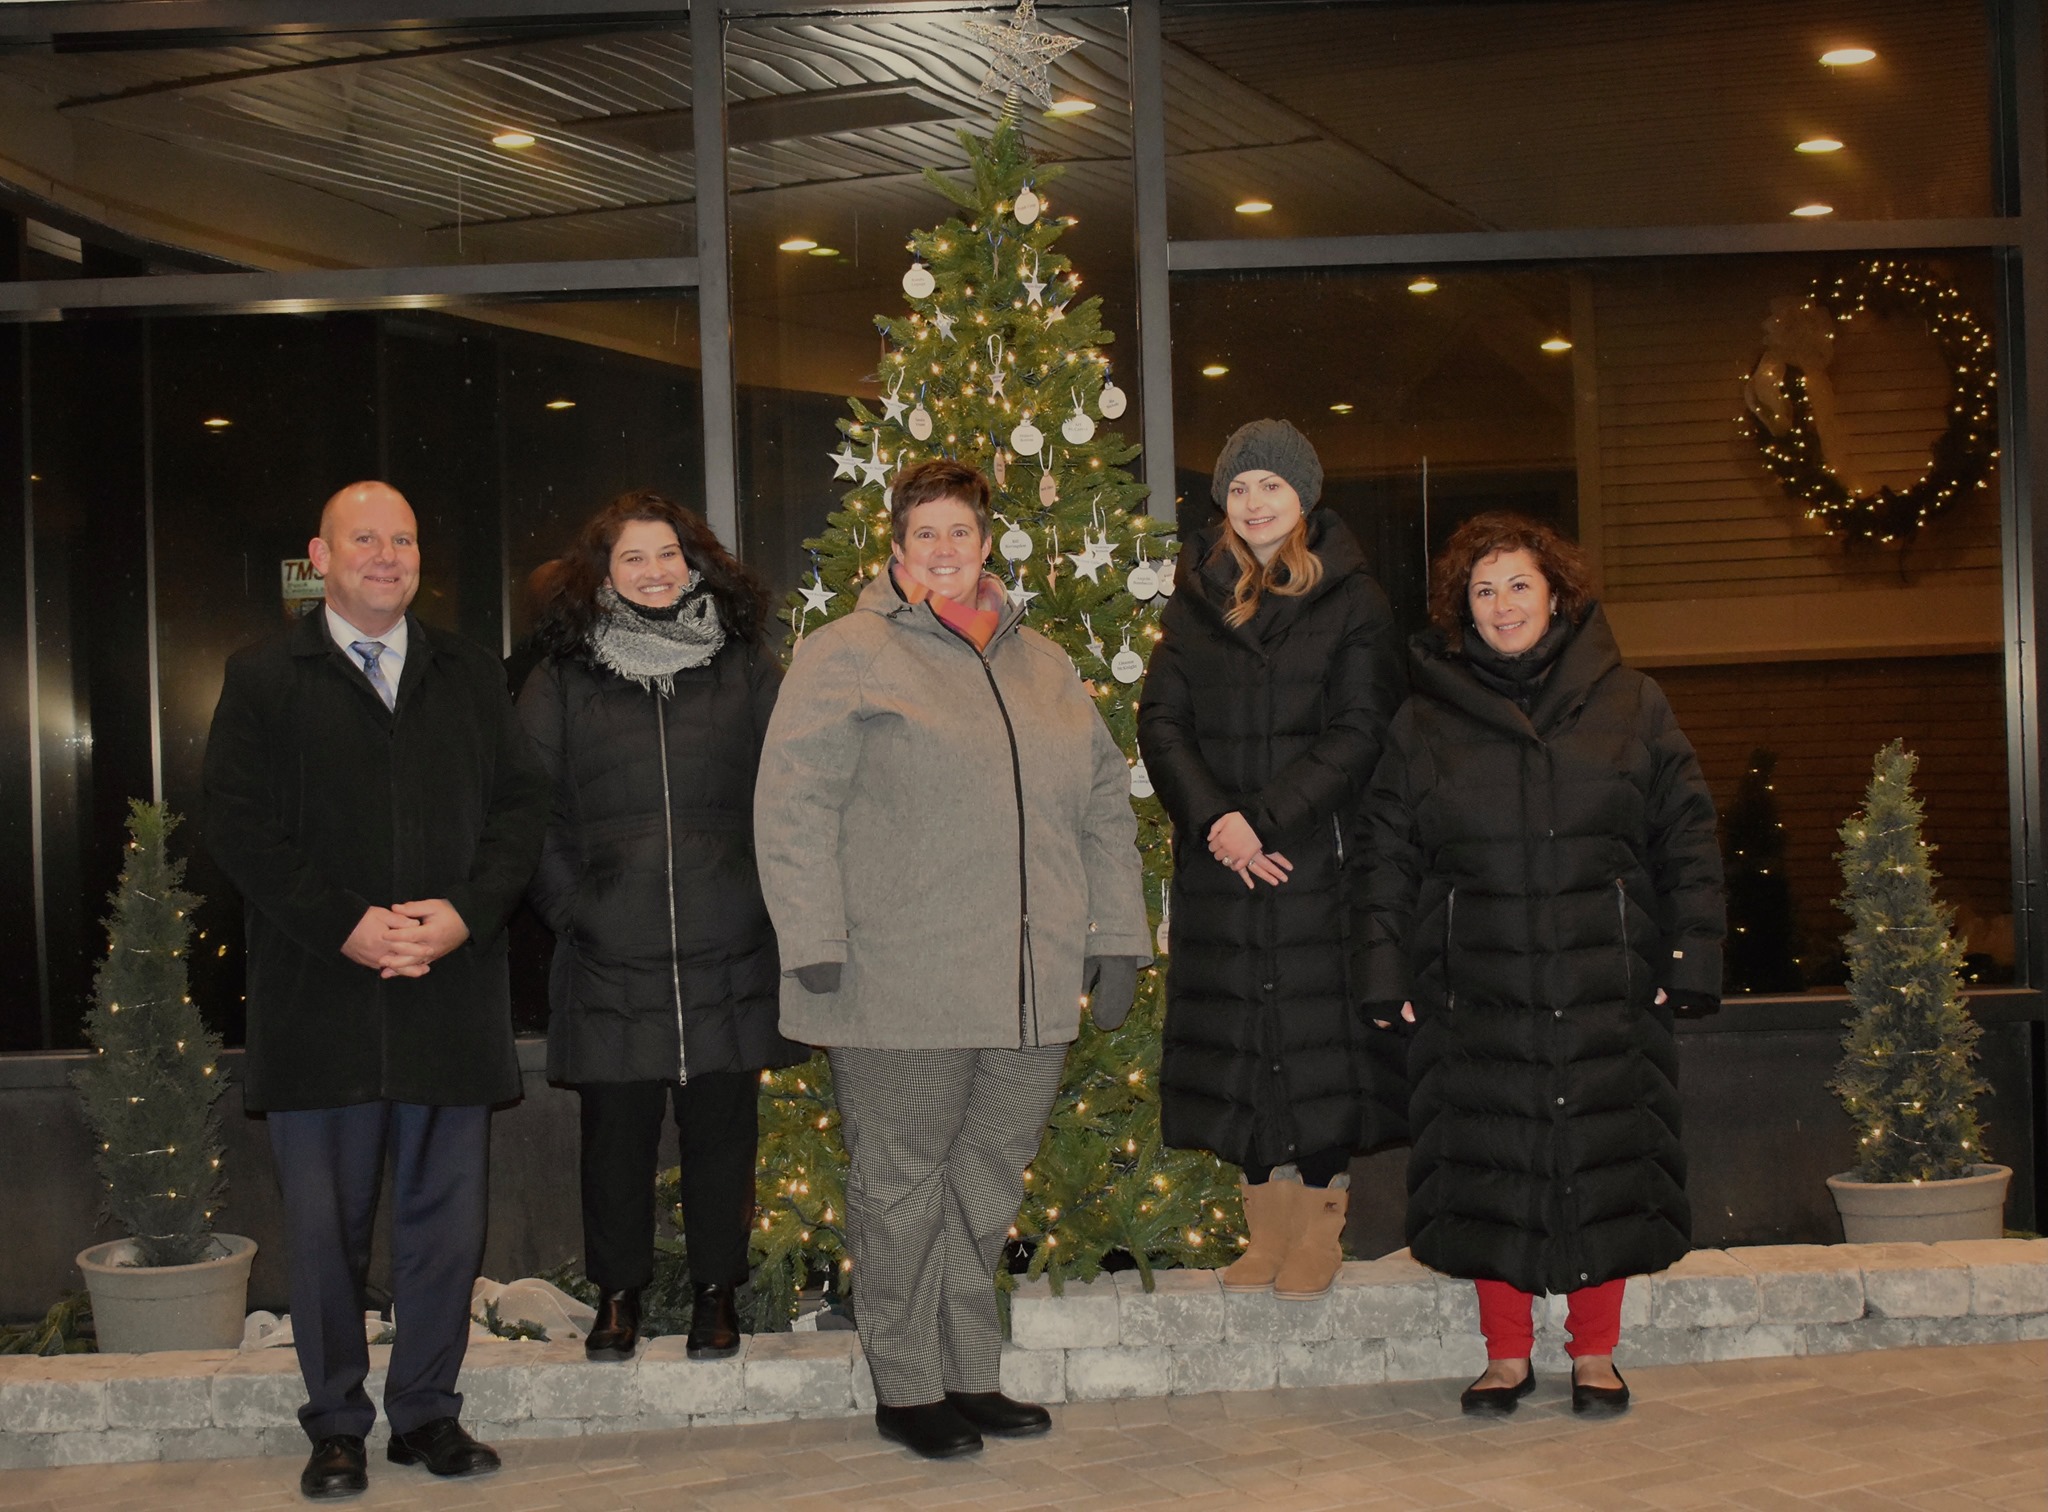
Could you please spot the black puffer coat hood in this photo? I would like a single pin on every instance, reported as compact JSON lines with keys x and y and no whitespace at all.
{"x":1282,"y":720}
{"x":1535,"y":878}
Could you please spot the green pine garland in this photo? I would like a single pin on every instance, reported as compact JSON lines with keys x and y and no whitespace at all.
{"x":1907,"y":1076}
{"x":1102,"y":1182}
{"x":149,"y":1090}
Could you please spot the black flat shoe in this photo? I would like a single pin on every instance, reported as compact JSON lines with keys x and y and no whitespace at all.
{"x":934,"y":1430}
{"x":1005,"y":1417}
{"x":714,"y":1323}
{"x":338,"y":1467}
{"x":444,"y":1447}
{"x":1496,"y":1399}
{"x":616,"y":1332}
{"x":1604,"y":1401}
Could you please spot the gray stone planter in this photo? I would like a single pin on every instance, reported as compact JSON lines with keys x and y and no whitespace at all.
{"x":140,"y":1309}
{"x":1923,"y":1212}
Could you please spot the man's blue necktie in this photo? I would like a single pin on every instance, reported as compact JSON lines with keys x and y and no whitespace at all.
{"x":370,"y":652}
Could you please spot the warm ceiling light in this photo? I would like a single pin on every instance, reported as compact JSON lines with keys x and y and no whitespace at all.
{"x":1214,"y":370}
{"x":1070,"y":107}
{"x":561,"y":404}
{"x":513,"y":140}
{"x":1813,"y":212}
{"x":797,"y":244}
{"x":1423,"y":286}
{"x":824,"y":251}
{"x":1819,"y":144}
{"x":1341,"y":409}
{"x":218,"y":422}
{"x":1557,"y":344}
{"x":1847,"y":57}
{"x":1254,"y":207}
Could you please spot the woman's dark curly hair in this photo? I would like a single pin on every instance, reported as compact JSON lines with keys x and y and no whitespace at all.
{"x":565,"y":590}
{"x":1450,"y":577}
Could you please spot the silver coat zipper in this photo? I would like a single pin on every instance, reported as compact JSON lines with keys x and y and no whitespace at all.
{"x":668,"y":826}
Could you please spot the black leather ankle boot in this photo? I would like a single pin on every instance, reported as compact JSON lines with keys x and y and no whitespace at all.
{"x":714,"y":1322}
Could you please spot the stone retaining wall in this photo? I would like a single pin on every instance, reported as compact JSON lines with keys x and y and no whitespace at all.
{"x":1387,"y":1320}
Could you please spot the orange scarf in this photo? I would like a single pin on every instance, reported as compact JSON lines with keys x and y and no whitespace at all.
{"x":976,"y":624}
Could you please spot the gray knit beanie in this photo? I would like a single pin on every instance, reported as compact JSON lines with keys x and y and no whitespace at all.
{"x":1271,"y":446}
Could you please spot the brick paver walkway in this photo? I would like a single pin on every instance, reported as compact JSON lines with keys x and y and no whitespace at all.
{"x":1922,"y":1428}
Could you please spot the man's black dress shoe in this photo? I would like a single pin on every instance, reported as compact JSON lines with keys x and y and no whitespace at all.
{"x":1497,"y":1399}
{"x":1606,"y":1401}
{"x":617,"y":1329}
{"x":714,"y":1323}
{"x":1005,"y":1417}
{"x":338,"y":1467}
{"x":444,"y":1447}
{"x":933,"y":1430}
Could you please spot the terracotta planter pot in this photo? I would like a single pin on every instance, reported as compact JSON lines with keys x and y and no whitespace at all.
{"x":1923,"y":1212}
{"x":139,"y":1309}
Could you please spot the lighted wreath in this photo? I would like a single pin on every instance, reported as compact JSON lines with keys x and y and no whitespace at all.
{"x":1794,"y":367}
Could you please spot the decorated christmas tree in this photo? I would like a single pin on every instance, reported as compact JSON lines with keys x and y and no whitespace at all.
{"x":998,"y":362}
{"x":150,"y":1088}
{"x":1763,"y":939}
{"x":1907,"y":1074}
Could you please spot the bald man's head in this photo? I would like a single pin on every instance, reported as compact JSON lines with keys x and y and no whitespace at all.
{"x":368,"y":550}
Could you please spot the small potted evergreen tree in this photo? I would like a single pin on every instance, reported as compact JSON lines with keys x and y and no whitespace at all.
{"x":149,"y":1093}
{"x":1907,"y":1075}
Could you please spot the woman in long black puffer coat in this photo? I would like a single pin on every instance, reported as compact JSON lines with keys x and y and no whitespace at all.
{"x":1546,"y":893}
{"x":1261,"y":721}
{"x":648,"y":712}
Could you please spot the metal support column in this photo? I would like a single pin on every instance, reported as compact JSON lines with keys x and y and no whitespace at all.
{"x":714,"y":273}
{"x":1155,"y":307}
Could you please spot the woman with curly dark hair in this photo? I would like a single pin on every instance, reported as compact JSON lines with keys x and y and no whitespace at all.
{"x":1545,"y":894}
{"x":648,"y":708}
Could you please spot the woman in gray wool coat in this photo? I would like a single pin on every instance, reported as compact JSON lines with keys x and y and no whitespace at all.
{"x":948,"y":850}
{"x":648,"y":712}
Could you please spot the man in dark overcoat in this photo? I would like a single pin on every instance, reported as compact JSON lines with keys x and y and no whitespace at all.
{"x":371,"y":793}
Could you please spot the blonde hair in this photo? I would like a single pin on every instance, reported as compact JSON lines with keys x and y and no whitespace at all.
{"x":1292,"y":572}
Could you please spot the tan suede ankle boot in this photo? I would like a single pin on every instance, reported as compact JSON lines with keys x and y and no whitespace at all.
{"x":1310,"y":1268}
{"x":1272,"y":1213}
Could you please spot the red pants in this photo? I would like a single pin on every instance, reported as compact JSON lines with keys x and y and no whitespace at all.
{"x":1594,"y":1320}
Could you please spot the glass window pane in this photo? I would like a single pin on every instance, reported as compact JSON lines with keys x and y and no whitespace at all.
{"x":1365,"y":119}
{"x":377,"y":149}
{"x":833,"y":124}
{"x":1628,"y":403}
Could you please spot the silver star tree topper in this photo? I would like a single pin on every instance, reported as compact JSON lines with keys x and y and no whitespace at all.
{"x":1019,"y":54}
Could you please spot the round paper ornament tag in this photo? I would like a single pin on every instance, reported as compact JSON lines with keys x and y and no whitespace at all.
{"x":918,"y":283}
{"x":1141,"y":781}
{"x":1078,"y":429}
{"x":1026,"y":439}
{"x":1166,"y":569}
{"x":1127,"y":665}
{"x":1028,"y":207}
{"x":921,"y":423}
{"x":1002,"y":467}
{"x":1015,"y":544}
{"x":1048,"y":489}
{"x":1112,"y":401}
{"x":1143,"y":581}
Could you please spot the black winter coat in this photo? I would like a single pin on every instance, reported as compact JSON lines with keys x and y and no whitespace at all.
{"x":665,"y":964}
{"x":1282,"y":720}
{"x":321,"y":802}
{"x":1535,"y":879}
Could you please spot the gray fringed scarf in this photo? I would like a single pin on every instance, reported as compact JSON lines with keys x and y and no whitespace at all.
{"x":651,"y":651}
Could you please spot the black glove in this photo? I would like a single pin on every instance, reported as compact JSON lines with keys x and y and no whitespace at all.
{"x":819,"y":976}
{"x":1386,"y":1017}
{"x":1688,"y":1004}
{"x":1111,"y":983}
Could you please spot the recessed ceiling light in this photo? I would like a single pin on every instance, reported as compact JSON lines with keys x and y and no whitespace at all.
{"x":513,"y":140}
{"x":561,"y":404}
{"x":1813,"y":212}
{"x":1422,"y":286}
{"x":1847,"y":57}
{"x":797,"y":244}
{"x":1214,"y":370}
{"x":824,"y":251}
{"x":1069,"y":107}
{"x":1557,"y":344}
{"x":1254,"y":207}
{"x":1819,"y":144}
{"x":1341,"y":409}
{"x":217,"y":422}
